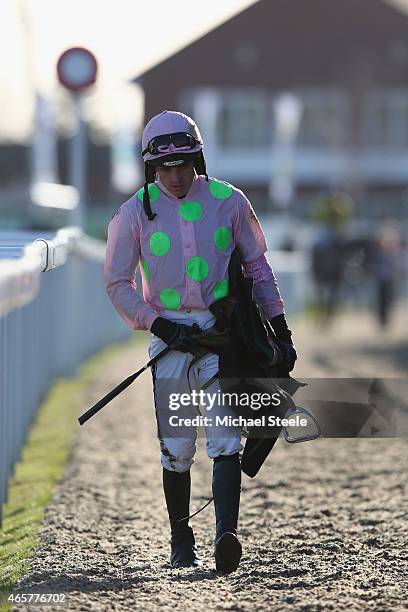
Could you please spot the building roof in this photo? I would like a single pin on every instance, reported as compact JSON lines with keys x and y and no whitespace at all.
{"x":282,"y":43}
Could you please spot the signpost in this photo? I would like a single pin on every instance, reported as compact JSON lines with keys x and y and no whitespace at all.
{"x":77,"y":69}
{"x":288,"y":115}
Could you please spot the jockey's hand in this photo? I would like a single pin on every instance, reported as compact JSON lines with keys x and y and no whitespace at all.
{"x":283,"y":339}
{"x":289,"y":354}
{"x":180,"y":337}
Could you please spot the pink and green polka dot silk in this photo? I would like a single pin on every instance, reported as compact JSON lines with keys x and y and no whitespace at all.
{"x":222,"y":238}
{"x":221,"y":289}
{"x":191,"y":211}
{"x":145,"y":268}
{"x":183,"y":252}
{"x":159,"y":243}
{"x":154,"y":193}
{"x":220,"y":190}
{"x":197,"y":268}
{"x":170,"y":299}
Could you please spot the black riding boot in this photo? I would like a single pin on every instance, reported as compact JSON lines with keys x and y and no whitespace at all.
{"x":226,"y":491}
{"x":177,"y":493}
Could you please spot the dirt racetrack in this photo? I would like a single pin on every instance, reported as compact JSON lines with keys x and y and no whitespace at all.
{"x":324,"y":525}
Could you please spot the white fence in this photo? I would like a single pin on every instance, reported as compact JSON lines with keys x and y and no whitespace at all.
{"x":54,"y":313}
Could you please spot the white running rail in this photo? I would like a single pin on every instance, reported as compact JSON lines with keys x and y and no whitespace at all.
{"x":49,"y":323}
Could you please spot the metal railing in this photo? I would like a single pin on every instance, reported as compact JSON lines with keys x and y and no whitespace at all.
{"x":49,"y":323}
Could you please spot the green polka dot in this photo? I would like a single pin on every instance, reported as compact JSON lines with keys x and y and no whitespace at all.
{"x":220,"y":190}
{"x":154,"y":193}
{"x":170,"y":298}
{"x":191,"y":211}
{"x":222,"y":238}
{"x":221,"y":289}
{"x":197,"y":268}
{"x":159,"y":243}
{"x":145,"y":269}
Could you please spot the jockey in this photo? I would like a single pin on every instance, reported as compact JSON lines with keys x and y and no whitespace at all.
{"x":181,"y":229}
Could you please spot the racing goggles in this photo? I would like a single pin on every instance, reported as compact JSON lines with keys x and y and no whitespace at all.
{"x":179,"y":140}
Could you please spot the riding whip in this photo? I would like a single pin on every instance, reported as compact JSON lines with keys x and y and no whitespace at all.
{"x":125,"y":383}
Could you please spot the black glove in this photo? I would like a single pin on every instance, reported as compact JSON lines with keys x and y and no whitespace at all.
{"x":179,"y":337}
{"x":283,"y":337}
{"x":289,"y":354}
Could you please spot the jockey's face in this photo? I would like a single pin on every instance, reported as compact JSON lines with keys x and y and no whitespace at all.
{"x":177,"y":179}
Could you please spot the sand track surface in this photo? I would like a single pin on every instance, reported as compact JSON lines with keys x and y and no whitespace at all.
{"x":324,"y":526}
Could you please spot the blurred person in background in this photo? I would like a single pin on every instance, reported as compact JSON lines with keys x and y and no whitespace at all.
{"x":388,"y":270}
{"x":329,"y":252}
{"x":181,"y":228}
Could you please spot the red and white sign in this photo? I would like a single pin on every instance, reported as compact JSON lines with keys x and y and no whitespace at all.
{"x":77,"y":68}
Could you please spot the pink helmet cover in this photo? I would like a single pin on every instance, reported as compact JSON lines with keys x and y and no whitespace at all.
{"x":170,"y":122}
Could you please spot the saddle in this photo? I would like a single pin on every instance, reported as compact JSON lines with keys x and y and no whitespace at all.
{"x":249,"y":362}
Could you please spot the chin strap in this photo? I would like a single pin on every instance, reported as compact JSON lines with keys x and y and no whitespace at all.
{"x":200,"y":166}
{"x":150,"y":175}
{"x":146,"y":203}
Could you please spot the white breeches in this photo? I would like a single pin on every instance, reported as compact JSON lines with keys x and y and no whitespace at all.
{"x":178,"y":441}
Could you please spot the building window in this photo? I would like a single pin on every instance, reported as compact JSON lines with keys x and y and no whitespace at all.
{"x":385,"y":119}
{"x":325,"y":119}
{"x":244,"y":119}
